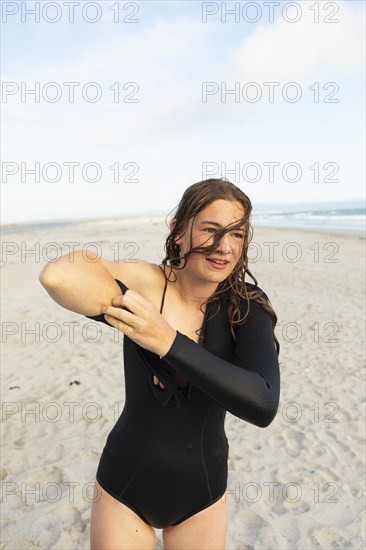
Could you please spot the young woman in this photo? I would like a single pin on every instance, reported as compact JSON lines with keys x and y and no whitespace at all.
{"x":198,"y":341}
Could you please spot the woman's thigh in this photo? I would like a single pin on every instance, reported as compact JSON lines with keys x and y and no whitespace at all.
{"x":205,"y":530}
{"x":114,"y":526}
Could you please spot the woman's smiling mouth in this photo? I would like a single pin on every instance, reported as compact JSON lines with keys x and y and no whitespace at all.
{"x":217,"y":263}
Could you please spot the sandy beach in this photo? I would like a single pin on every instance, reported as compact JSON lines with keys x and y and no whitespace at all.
{"x":298,"y":484}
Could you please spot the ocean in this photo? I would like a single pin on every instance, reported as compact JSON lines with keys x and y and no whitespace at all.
{"x":351,"y":219}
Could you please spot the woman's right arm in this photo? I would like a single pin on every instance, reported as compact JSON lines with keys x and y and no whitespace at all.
{"x":85,"y":282}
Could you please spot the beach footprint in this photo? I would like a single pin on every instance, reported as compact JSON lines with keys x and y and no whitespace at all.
{"x":326,"y":537}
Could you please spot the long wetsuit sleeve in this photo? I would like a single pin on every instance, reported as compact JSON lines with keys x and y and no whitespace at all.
{"x":248,"y":388}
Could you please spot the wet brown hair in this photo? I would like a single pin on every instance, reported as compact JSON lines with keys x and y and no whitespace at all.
{"x":195,"y":198}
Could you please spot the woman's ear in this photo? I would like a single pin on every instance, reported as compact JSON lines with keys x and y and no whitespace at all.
{"x":173,"y":223}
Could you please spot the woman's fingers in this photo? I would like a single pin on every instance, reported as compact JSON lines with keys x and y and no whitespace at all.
{"x":128,"y":318}
{"x":157,"y":381}
{"x":129,"y":328}
{"x":121,"y":318}
{"x":118,"y":312}
{"x":140,"y":320}
{"x":133,"y":299}
{"x":117,"y":301}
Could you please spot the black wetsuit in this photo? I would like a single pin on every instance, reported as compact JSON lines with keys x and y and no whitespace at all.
{"x":166,"y":457}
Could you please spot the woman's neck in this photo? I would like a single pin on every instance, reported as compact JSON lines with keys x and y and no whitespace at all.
{"x":192,"y":291}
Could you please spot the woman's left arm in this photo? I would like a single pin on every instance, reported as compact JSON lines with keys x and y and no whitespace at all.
{"x":248,"y":388}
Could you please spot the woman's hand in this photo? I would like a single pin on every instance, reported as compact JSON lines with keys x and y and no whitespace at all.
{"x":142,"y":323}
{"x":157,"y":382}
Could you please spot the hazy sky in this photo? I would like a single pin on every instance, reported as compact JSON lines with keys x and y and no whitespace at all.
{"x":131,"y":103}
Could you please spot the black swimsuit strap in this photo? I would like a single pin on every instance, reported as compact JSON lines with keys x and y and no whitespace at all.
{"x":163,"y":297}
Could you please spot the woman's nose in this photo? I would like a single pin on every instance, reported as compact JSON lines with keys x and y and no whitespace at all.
{"x":225,"y":245}
{"x":228,"y":245}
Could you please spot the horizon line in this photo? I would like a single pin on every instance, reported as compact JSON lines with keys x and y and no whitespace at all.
{"x":158,"y":213}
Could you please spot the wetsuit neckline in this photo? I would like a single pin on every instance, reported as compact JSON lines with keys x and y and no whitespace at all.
{"x":204,"y":316}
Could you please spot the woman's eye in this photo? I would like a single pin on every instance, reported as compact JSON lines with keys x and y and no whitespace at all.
{"x":237,"y":235}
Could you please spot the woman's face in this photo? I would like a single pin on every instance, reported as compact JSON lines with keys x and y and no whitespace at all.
{"x":217,"y":265}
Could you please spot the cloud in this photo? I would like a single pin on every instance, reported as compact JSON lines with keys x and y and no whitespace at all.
{"x":284,"y":51}
{"x":170,"y":131}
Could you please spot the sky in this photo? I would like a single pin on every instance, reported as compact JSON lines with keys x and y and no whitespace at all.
{"x":115,"y":108}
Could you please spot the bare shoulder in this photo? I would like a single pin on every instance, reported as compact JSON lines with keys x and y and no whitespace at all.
{"x":139,"y":276}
